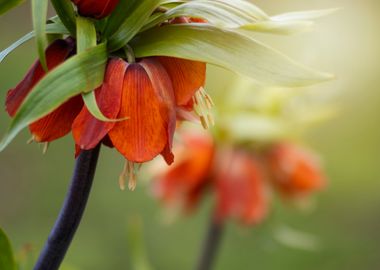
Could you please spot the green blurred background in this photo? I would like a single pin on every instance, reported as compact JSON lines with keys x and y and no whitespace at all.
{"x":346,"y":220}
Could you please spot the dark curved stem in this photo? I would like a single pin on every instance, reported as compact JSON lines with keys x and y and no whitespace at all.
{"x":211,"y":245}
{"x":71,"y":213}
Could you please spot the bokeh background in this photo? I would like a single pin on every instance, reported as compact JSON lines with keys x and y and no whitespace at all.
{"x":345,"y":220}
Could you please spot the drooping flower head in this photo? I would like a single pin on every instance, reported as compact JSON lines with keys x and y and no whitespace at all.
{"x":233,"y":176}
{"x":148,"y":92}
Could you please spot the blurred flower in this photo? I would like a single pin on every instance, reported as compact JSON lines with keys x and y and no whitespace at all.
{"x":189,"y":175}
{"x":294,"y":171}
{"x":95,"y":8}
{"x":234,"y":176}
{"x":240,"y":188}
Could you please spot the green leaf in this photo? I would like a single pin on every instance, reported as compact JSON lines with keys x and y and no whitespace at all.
{"x":86,"y":34}
{"x":220,"y":13}
{"x":53,"y":28}
{"x":6,"y":5}
{"x":288,"y":23}
{"x":227,"y":49}
{"x":39,"y":14}
{"x":15,"y":45}
{"x":117,"y":17}
{"x":7,"y":261}
{"x":66,"y":13}
{"x":81,"y":73}
{"x":86,"y":38}
{"x":136,"y":17}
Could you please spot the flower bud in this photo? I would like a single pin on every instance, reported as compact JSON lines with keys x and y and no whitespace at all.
{"x":95,"y":8}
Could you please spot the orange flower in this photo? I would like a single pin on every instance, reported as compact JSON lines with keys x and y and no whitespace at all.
{"x":240,"y":187}
{"x":151,"y":93}
{"x":58,"y":123}
{"x":189,"y":175}
{"x":233,"y":176}
{"x":96,"y":8}
{"x":294,"y":171}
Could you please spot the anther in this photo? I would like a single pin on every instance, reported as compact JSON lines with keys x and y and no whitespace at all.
{"x":203,"y":105}
{"x":45,"y":148}
{"x":31,"y":140}
{"x":130,"y":171}
{"x":123,"y":176}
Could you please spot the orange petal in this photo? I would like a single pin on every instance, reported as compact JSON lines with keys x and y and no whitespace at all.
{"x":187,"y":77}
{"x":58,"y":123}
{"x":164,"y":91}
{"x":145,"y":134}
{"x":56,"y":53}
{"x":240,"y":187}
{"x":185,"y":180}
{"x":87,"y":130}
{"x":294,"y":171}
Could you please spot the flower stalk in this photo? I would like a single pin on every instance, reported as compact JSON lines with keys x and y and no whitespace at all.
{"x":71,"y":213}
{"x":211,"y":245}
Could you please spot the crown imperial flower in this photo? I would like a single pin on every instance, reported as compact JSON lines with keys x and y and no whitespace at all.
{"x":149,"y":94}
{"x":234,"y":176}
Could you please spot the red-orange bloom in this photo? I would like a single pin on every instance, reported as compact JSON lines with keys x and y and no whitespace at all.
{"x":151,"y":93}
{"x":233,"y":176}
{"x":58,"y":123}
{"x":294,"y":171}
{"x":96,"y":8}
{"x":241,"y":191}
{"x":189,"y":175}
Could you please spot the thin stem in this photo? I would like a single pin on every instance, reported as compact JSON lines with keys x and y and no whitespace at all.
{"x":71,"y":213}
{"x":211,"y":245}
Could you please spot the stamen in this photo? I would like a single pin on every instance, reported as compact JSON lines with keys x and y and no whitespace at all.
{"x":123,"y":176}
{"x":45,"y":148}
{"x":31,"y":140}
{"x":203,"y":105}
{"x":130,"y":171}
{"x":132,"y":177}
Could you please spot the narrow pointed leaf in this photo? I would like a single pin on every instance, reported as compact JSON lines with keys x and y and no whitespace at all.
{"x":220,"y":13}
{"x":117,"y":17}
{"x":135,"y":19}
{"x":39,"y":15}
{"x":81,"y":73}
{"x":86,"y":38}
{"x":304,"y":15}
{"x":7,"y":261}
{"x":226,"y":49}
{"x":66,"y":13}
{"x":279,"y":27}
{"x":6,"y":5}
{"x":15,"y":45}
{"x":86,"y":34}
{"x":53,"y":28}
{"x":288,"y":23}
